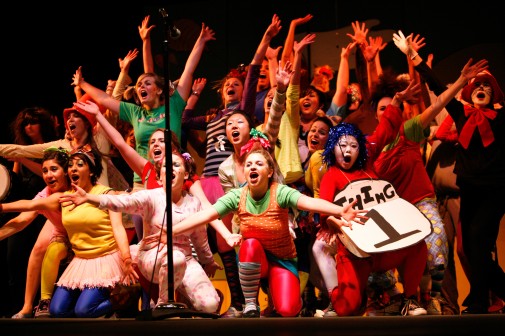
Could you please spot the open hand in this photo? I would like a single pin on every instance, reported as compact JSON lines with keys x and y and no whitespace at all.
{"x":74,"y":199}
{"x":402,"y":42}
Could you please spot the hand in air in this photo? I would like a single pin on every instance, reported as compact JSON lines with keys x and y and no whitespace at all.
{"x":402,"y":42}
{"x":88,"y":106}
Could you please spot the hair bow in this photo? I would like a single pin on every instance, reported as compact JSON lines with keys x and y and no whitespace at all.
{"x":256,"y":136}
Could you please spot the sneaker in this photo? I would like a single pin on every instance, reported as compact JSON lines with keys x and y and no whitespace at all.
{"x":270,"y":312}
{"x":42,"y":309}
{"x":330,"y":312}
{"x":322,"y":301}
{"x":411,"y":307}
{"x":251,"y":310}
{"x":450,"y":310}
{"x":22,"y":316}
{"x":309,"y":301}
{"x":385,"y":305}
{"x":496,"y":305}
{"x":232,"y":312}
{"x":434,"y":306}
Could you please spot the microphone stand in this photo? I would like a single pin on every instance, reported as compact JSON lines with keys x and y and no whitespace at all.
{"x":171,"y":308}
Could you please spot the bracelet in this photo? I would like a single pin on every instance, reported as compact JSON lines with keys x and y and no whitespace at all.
{"x":412,"y":57}
{"x":195,"y":93}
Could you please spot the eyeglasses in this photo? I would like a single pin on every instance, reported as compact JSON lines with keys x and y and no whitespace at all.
{"x":30,"y":121}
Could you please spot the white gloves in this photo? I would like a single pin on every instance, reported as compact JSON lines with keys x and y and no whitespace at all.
{"x":403,"y":43}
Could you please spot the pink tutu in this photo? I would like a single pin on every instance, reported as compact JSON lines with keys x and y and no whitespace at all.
{"x":103,"y":271}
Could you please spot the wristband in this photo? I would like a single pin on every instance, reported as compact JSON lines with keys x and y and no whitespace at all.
{"x":195,"y":93}
{"x":414,"y":56}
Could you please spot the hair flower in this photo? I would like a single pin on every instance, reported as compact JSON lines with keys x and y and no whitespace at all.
{"x":186,"y":156}
{"x":57,"y":149}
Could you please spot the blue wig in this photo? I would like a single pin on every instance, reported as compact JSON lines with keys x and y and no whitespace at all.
{"x":336,"y":132}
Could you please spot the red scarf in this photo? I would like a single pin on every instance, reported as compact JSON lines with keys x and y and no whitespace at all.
{"x":477,"y":118}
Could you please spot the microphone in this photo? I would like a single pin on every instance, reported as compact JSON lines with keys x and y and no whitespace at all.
{"x":173,"y":32}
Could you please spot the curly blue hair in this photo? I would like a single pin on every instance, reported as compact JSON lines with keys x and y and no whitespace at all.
{"x":336,"y":132}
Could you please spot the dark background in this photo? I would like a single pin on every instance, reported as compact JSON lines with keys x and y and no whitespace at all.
{"x":43,"y":44}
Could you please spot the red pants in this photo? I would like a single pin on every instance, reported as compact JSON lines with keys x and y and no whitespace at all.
{"x":284,"y":286}
{"x":348,"y":298}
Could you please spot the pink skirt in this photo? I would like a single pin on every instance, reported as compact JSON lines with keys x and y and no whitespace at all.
{"x":212,"y":188}
{"x":82,"y":273}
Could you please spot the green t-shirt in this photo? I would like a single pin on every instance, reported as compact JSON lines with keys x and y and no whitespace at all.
{"x":145,"y":122}
{"x":287,"y":197}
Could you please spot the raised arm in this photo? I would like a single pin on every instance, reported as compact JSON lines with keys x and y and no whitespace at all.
{"x":130,"y":155}
{"x":362,"y":66}
{"x":340,"y":96}
{"x":124,"y":78}
{"x":360,"y":32}
{"x":408,"y":47}
{"x":248,"y":101}
{"x":272,"y":30}
{"x":99,"y":96}
{"x":272,"y":123}
{"x":186,"y":80}
{"x":287,"y":51}
{"x":377,"y":42}
{"x":272,"y":55}
{"x":469,"y":71}
{"x":298,"y":50}
{"x":196,"y":141}
{"x":371,"y":54}
{"x":145,"y":35}
{"x":291,"y":116}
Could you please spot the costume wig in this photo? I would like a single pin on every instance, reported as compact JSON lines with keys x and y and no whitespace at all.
{"x":336,"y":132}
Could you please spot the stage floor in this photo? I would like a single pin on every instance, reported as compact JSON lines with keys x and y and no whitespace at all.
{"x":475,"y":325}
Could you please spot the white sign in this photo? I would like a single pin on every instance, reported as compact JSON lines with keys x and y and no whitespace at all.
{"x":393,"y":222}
